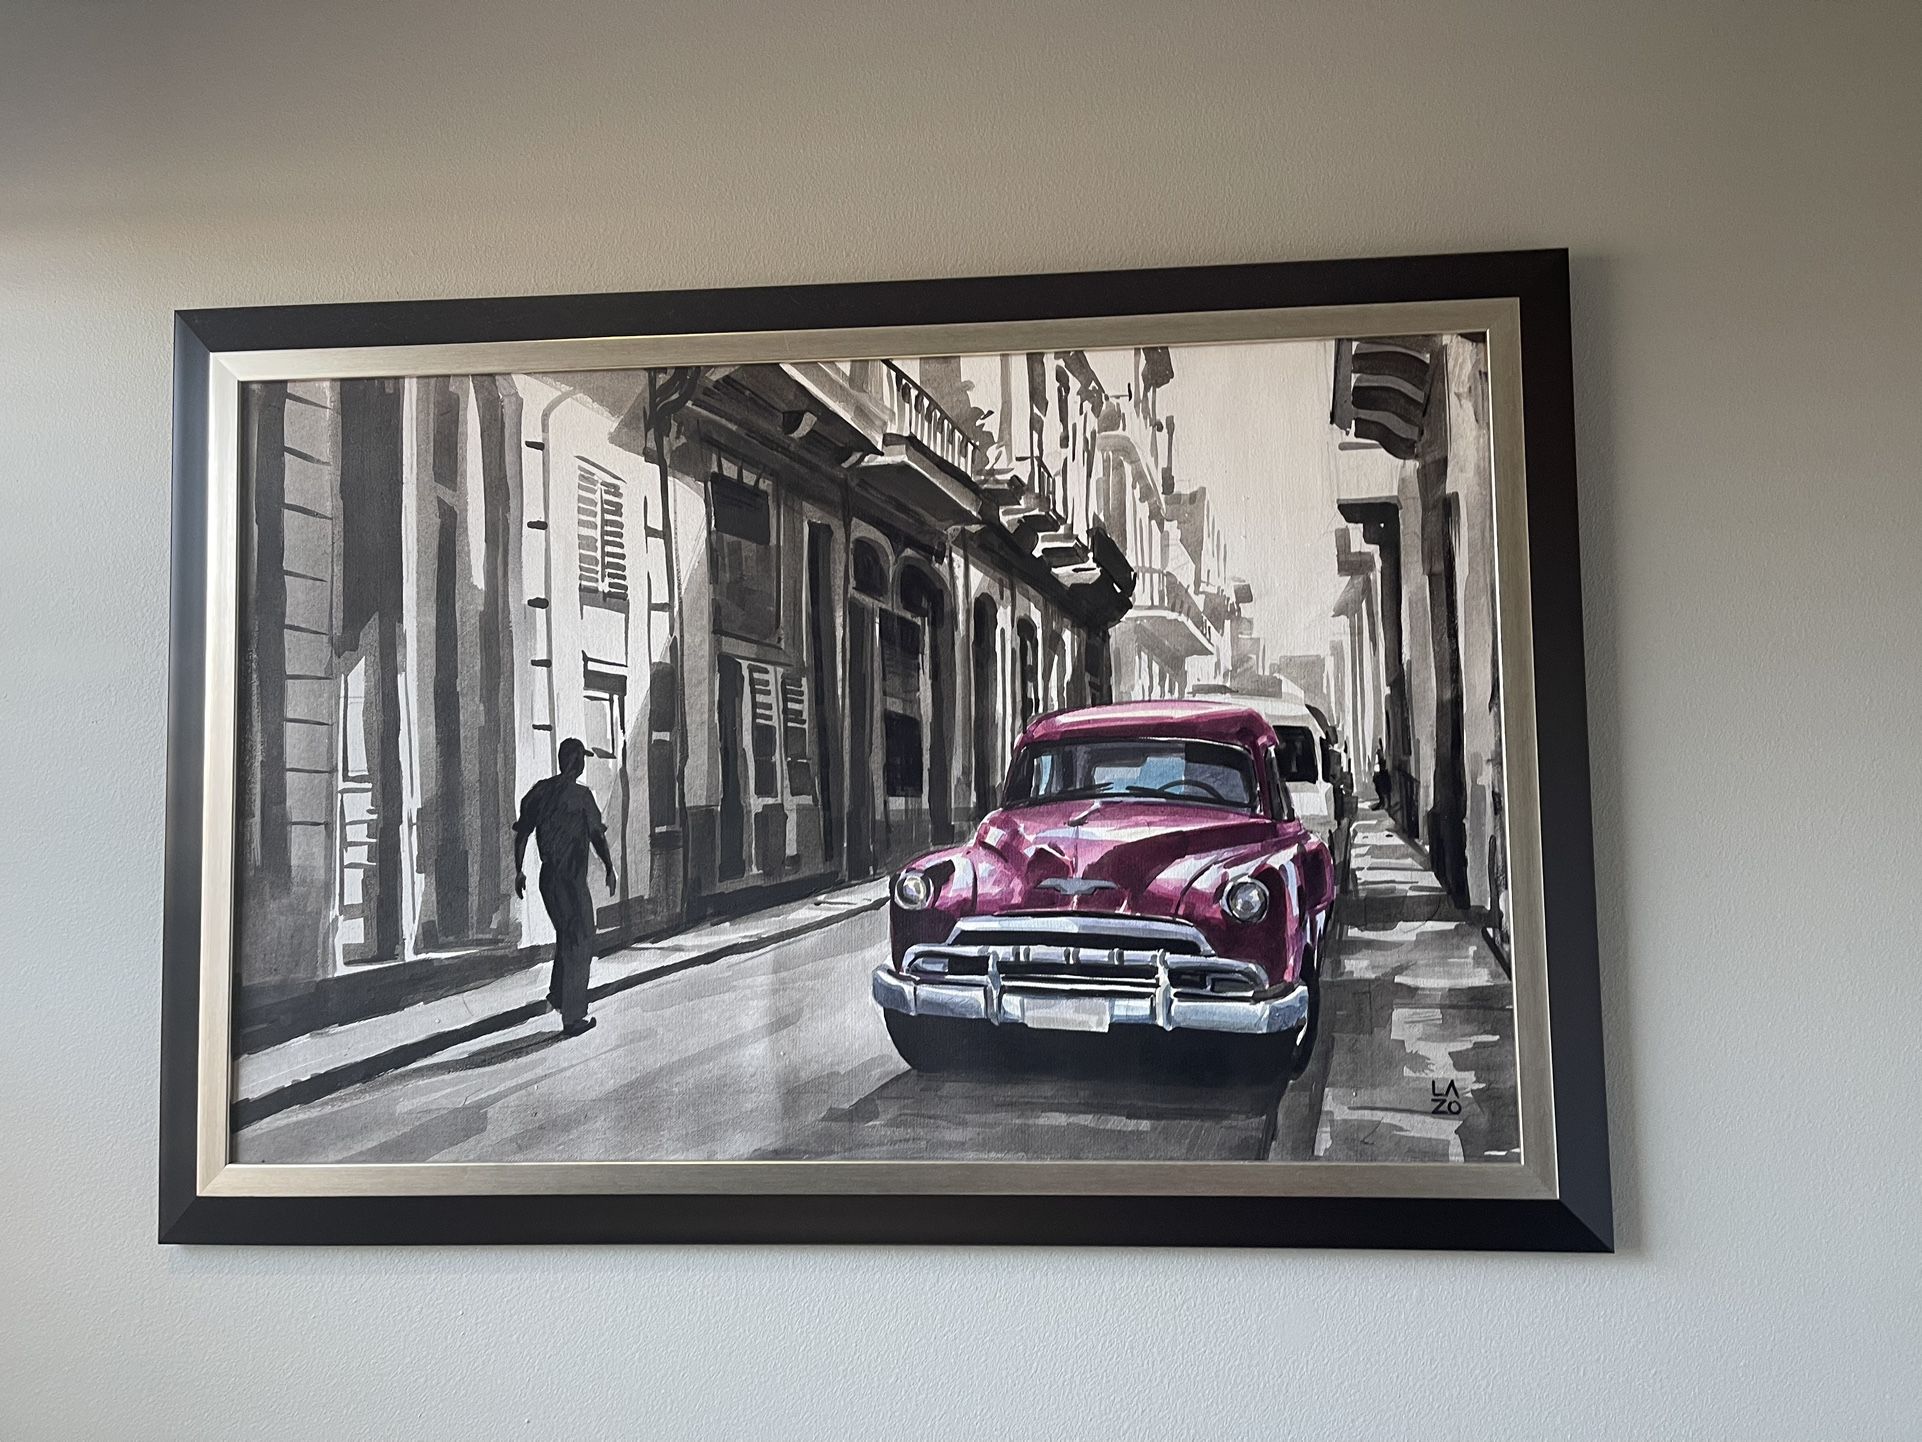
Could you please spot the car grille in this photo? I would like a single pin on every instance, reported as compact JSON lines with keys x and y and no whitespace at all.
{"x":1118,"y":954}
{"x":1086,"y":931}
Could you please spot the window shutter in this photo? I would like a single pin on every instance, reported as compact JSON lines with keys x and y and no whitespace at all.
{"x":601,"y":511}
{"x":587,"y":511}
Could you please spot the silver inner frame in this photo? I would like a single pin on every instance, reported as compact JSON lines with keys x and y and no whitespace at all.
{"x":1534,"y":1177}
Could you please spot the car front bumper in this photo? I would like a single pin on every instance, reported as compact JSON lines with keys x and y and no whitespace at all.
{"x":1007,"y":1001}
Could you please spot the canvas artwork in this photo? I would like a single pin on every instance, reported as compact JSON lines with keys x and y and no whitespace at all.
{"x":1060,"y":755}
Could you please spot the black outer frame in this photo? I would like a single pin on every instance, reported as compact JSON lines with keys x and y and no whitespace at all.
{"x":1579,"y":1220}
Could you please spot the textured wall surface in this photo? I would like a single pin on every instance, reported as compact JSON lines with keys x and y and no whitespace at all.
{"x":1739,"y":186}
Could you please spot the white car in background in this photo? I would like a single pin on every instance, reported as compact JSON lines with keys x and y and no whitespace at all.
{"x":1306,"y":755}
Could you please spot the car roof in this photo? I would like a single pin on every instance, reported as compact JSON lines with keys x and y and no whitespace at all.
{"x":1184,"y":720}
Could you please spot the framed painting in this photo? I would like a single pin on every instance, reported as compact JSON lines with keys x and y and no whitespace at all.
{"x":1091,"y":758}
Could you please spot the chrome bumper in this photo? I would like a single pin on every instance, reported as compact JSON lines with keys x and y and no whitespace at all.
{"x":1142,"y":987}
{"x":1004,"y":1002}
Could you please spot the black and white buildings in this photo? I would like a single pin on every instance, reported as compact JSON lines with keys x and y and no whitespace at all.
{"x":797,"y":613}
{"x":1414,"y":664}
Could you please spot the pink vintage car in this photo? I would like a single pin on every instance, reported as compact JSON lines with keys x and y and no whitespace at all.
{"x":1145,"y":869}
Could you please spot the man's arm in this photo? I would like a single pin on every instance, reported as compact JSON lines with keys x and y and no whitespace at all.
{"x":597,"y":838}
{"x":523,"y":828}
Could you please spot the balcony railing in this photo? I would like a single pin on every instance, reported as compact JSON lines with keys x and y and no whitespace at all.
{"x":888,"y":407}
{"x":913,"y":412}
{"x":1042,"y":486}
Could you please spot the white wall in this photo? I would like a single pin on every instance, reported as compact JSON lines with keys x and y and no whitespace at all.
{"x":1739,"y":185}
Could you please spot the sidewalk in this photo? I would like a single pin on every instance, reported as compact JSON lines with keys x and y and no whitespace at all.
{"x":329,"y":1060}
{"x":1418,"y":1019}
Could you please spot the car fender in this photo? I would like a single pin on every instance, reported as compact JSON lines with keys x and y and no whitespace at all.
{"x":1274,"y":942}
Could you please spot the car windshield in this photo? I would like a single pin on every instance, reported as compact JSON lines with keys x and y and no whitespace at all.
{"x":1207,"y":772}
{"x":1297,"y":753}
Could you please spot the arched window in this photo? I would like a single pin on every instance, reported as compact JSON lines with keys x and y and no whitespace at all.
{"x":921,"y":593}
{"x":926,"y":602}
{"x":870,"y":570}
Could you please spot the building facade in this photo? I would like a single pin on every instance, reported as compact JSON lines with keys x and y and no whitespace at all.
{"x":796,"y":613}
{"x":1204,"y":570}
{"x":1416,"y":673}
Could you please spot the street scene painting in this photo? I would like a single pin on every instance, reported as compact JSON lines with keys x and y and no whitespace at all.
{"x":1081,"y":755}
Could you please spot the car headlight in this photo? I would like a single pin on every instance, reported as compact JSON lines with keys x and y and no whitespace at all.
{"x":913,"y":891}
{"x":1246,"y":900}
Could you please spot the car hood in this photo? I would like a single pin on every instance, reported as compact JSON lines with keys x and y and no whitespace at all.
{"x":1109,"y":855}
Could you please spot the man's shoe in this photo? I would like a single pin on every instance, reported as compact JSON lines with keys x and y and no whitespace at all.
{"x":575,"y":1028}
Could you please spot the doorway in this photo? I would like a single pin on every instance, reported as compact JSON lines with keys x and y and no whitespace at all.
{"x":923,"y":598}
{"x":825,"y":674}
{"x":731,"y":842}
{"x":861,"y":748}
{"x":987,"y":741}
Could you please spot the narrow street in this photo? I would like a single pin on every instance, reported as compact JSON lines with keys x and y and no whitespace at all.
{"x":781,"y":1053}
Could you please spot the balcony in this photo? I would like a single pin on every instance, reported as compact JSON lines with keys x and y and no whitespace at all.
{"x":1349,"y":561}
{"x":921,"y":458}
{"x":1168,"y":615}
{"x":1100,"y":586}
{"x":1062,"y":550}
{"x":1368,"y":474}
{"x":1028,"y":520}
{"x":926,"y":460}
{"x":1027,"y":506}
{"x":1043,"y":486}
{"x":914,"y":415}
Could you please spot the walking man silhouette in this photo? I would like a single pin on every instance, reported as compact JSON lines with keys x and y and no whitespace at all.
{"x":562,"y":816}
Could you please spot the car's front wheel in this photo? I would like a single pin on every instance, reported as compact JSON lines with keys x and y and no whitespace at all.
{"x":935,"y":1043}
{"x":1304,"y":1047}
